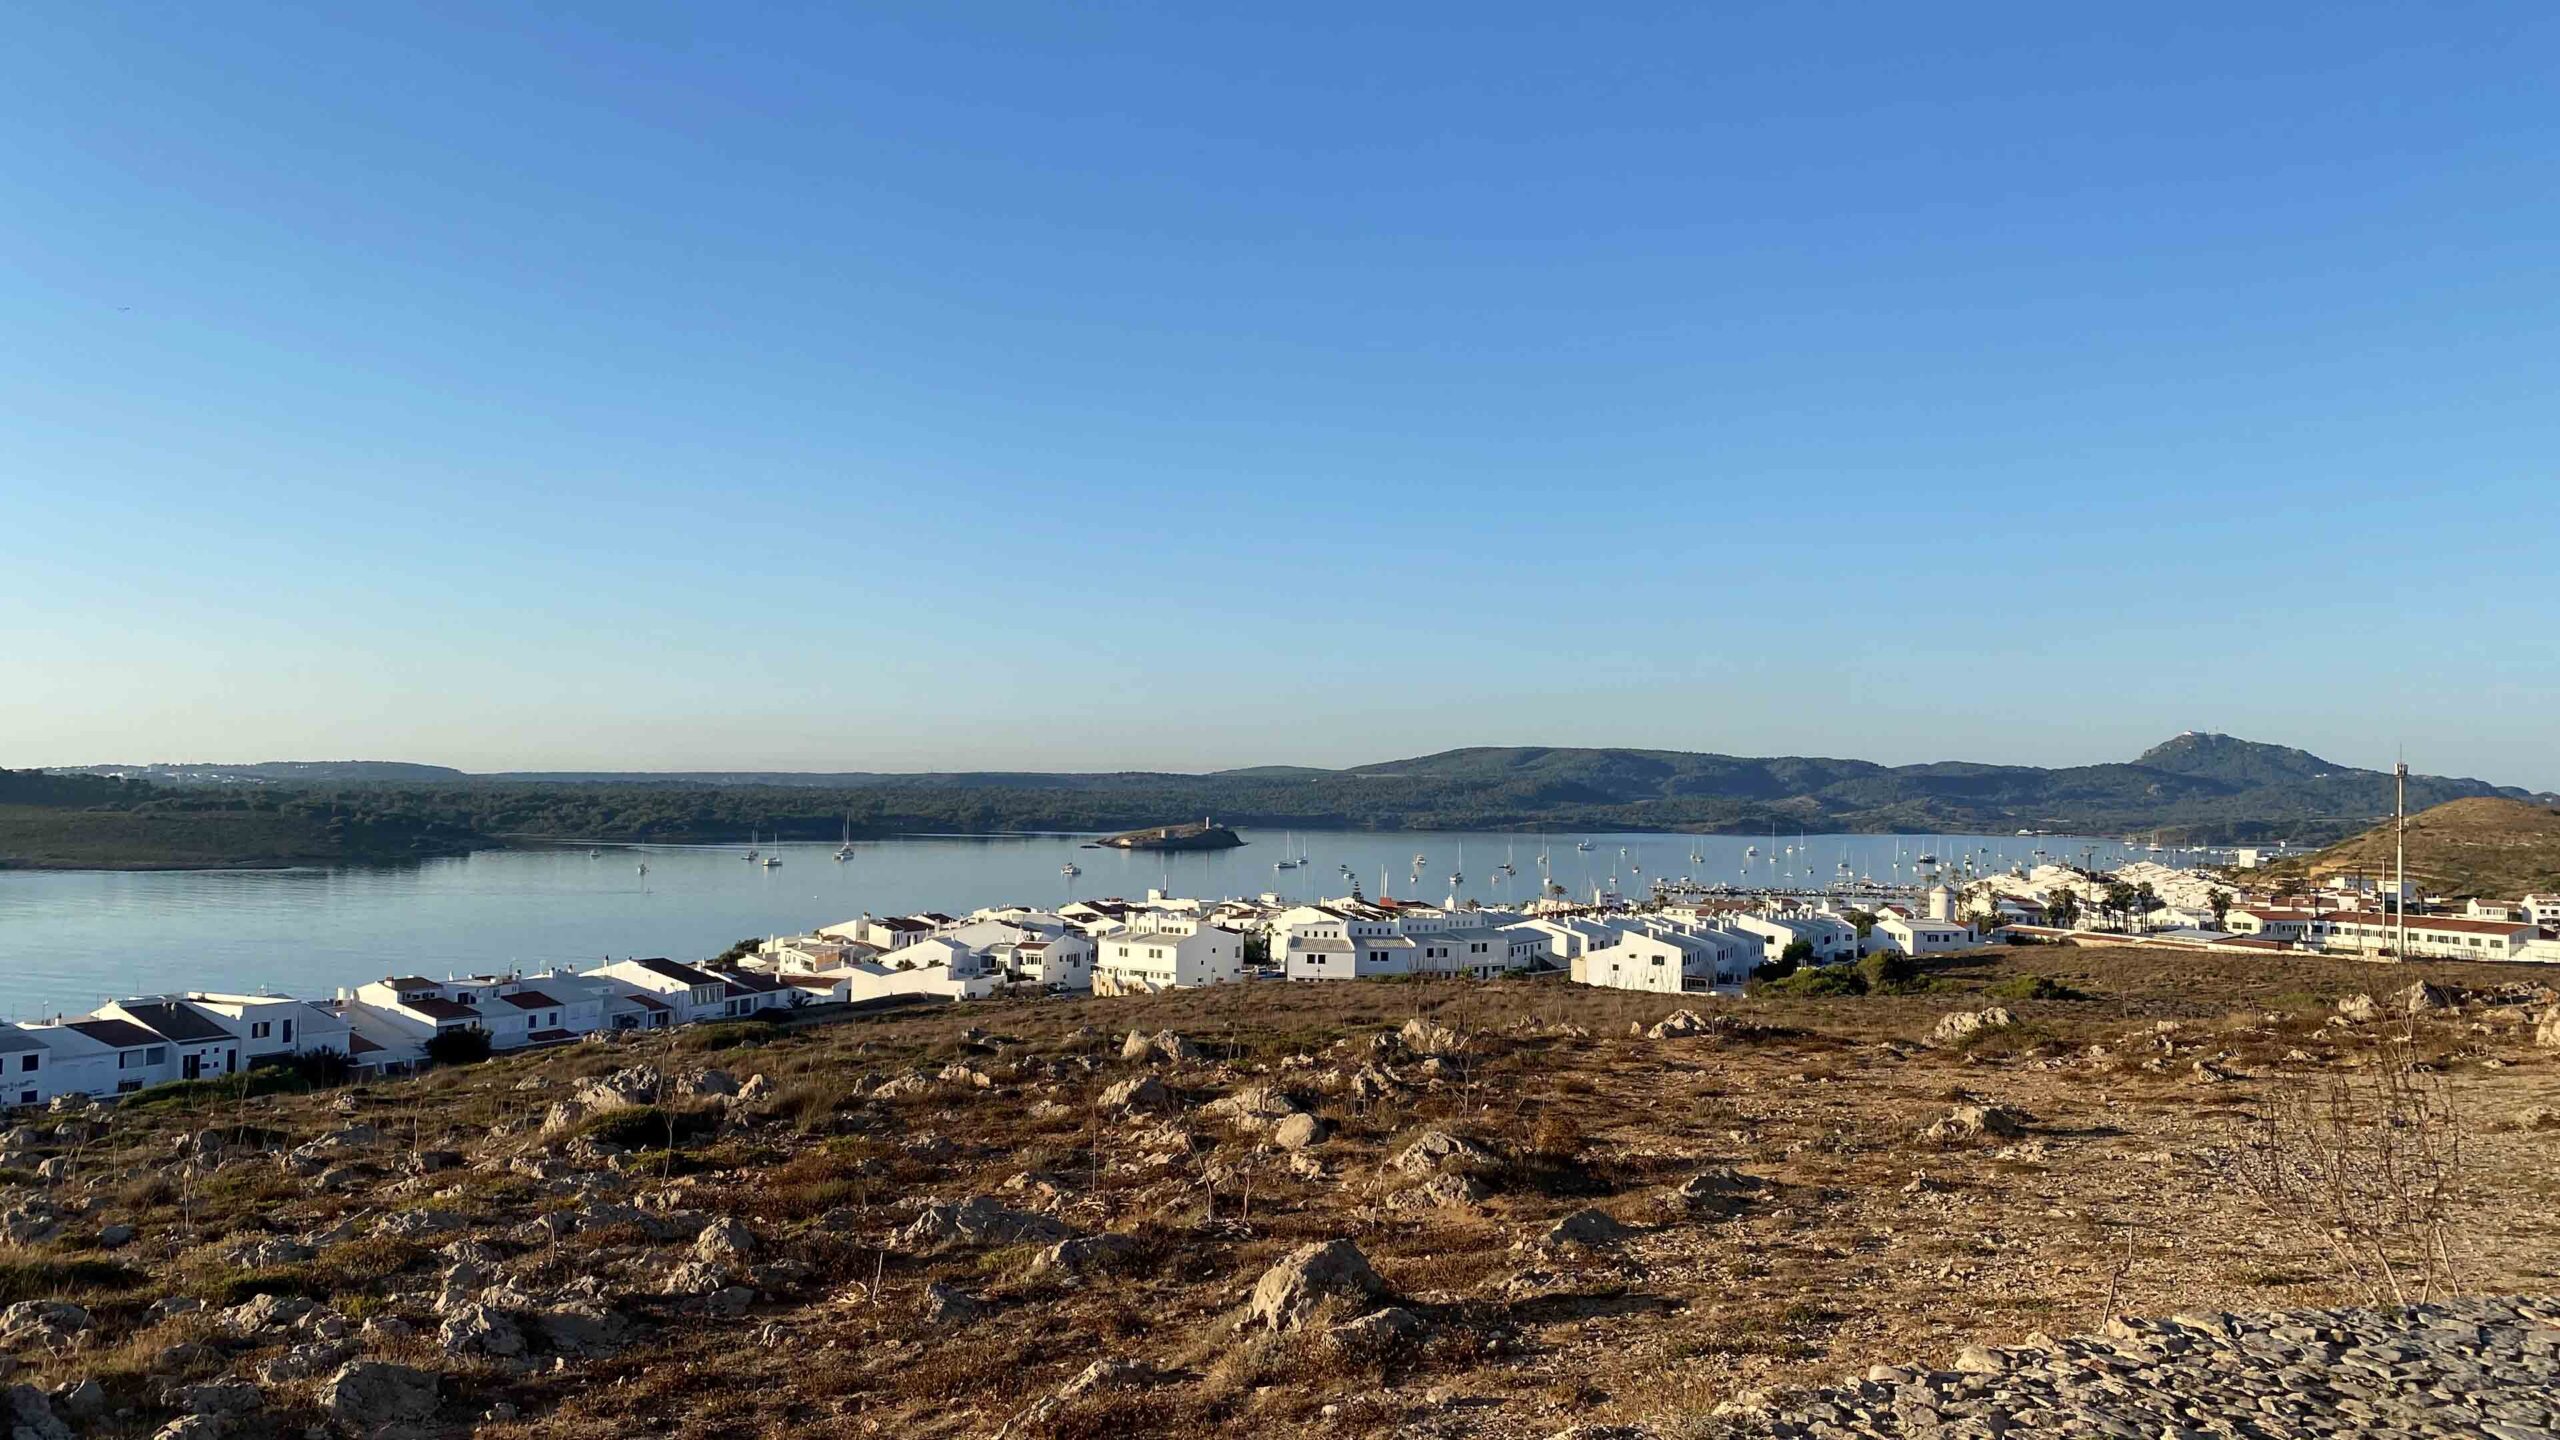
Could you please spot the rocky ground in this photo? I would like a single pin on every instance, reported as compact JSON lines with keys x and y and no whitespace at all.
{"x":1364,"y":1209}
{"x":2462,"y":1368}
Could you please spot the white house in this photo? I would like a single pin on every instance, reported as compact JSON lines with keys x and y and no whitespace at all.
{"x":1832,"y":939}
{"x":1919,"y":937}
{"x":2542,"y":910}
{"x":1141,"y":961}
{"x":103,"y":1057}
{"x":1566,"y":938}
{"x":1042,"y":950}
{"x":403,"y":1012}
{"x":2431,"y":937}
{"x":25,"y":1077}
{"x":201,"y":1044}
{"x":272,"y":1026}
{"x":688,"y":993}
{"x":1479,"y":951}
{"x":1669,"y":961}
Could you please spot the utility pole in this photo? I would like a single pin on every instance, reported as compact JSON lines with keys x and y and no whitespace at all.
{"x":2400,"y":858}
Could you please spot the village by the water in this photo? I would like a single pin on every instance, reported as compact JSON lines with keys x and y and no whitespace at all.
{"x":1667,"y":935}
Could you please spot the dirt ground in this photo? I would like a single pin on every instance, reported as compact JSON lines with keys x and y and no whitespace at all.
{"x":1843,"y":1238}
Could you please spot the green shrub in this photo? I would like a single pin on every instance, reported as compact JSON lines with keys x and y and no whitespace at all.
{"x":275,"y":1075}
{"x":651,"y":1127}
{"x":1817,"y":982}
{"x":458,"y":1047}
{"x":40,"y":1278}
{"x":1890,"y":972}
{"x":731,"y":1034}
{"x":2032,"y":987}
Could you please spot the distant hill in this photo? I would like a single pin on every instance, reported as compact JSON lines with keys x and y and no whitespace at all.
{"x":2487,"y":846}
{"x":2194,"y":789}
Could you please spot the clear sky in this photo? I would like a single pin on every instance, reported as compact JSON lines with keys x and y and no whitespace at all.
{"x":1099,"y":386}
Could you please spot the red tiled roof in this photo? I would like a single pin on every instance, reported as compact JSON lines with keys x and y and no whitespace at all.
{"x":530,"y":1000}
{"x":436,"y":1009}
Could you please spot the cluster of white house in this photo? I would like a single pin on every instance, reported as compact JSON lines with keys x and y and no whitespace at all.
{"x":385,"y":1025}
{"x":1107,"y":946}
{"x":2346,"y":915}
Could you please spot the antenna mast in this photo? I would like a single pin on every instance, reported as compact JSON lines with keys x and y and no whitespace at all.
{"x":2400,"y":858}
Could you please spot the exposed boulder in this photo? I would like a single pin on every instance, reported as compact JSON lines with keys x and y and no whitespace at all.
{"x":727,"y":1238}
{"x":1253,"y":1108}
{"x":1377,"y":1333}
{"x":30,"y":1416}
{"x":1439,"y":1190}
{"x":1298,"y":1132}
{"x":1677,"y":1024}
{"x":2426,"y":995}
{"x":415,"y":1224}
{"x":1137,"y":1094}
{"x":1719,"y":1187}
{"x":370,"y":1396}
{"x":221,"y":1397}
{"x":581,"y":1330}
{"x":1974,"y":1122}
{"x":1088,"y":1255}
{"x":1310,"y":1278}
{"x":2359,"y":1010}
{"x":976,"y":1220}
{"x":482,"y":1330}
{"x":2548,"y":1032}
{"x":943,"y":1304}
{"x":1113,"y":1374}
{"x":1163,"y":1047}
{"x":1586,"y":1228}
{"x":1964,"y":1025}
{"x":1436,"y":1150}
{"x":1422,"y":1037}
{"x":45,"y":1324}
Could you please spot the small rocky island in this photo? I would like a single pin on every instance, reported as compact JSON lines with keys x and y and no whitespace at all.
{"x":1201,"y":836}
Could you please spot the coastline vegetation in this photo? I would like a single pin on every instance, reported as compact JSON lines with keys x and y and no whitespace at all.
{"x":2232,"y":791}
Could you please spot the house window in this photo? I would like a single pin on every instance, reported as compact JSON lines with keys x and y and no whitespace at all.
{"x":258,"y":1029}
{"x":287,"y":1037}
{"x":27,"y":1063}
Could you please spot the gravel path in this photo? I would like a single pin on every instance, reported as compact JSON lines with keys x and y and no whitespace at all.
{"x":2468,"y":1367}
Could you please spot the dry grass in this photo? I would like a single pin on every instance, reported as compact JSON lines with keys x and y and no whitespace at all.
{"x":1861,"y":1244}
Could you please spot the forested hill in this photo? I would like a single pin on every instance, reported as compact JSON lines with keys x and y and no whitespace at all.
{"x":2195,"y":788}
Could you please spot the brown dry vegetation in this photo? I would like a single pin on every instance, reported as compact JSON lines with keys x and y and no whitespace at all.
{"x":1864,"y":1244}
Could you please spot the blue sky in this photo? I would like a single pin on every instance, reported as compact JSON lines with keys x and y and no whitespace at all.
{"x":1101,"y":386}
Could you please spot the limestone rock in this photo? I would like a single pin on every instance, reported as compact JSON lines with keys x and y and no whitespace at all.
{"x":1974,"y":1122}
{"x":1436,"y":1150}
{"x":976,"y":1220}
{"x":1309,"y":1278}
{"x":1424,"y":1038}
{"x":1088,"y":1255}
{"x":1437,"y":1191}
{"x":1963,"y":1025}
{"x":370,"y":1395}
{"x":1136,"y":1094}
{"x":1586,"y":1228}
{"x":1298,"y":1132}
{"x":724,"y":1239}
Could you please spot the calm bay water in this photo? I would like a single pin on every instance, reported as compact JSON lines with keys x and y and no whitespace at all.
{"x":71,"y":938}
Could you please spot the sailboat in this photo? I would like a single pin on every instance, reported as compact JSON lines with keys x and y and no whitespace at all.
{"x":1071,"y":870}
{"x":752,"y":854}
{"x":1582,"y":845}
{"x":845,"y":850}
{"x":1290,"y":858}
